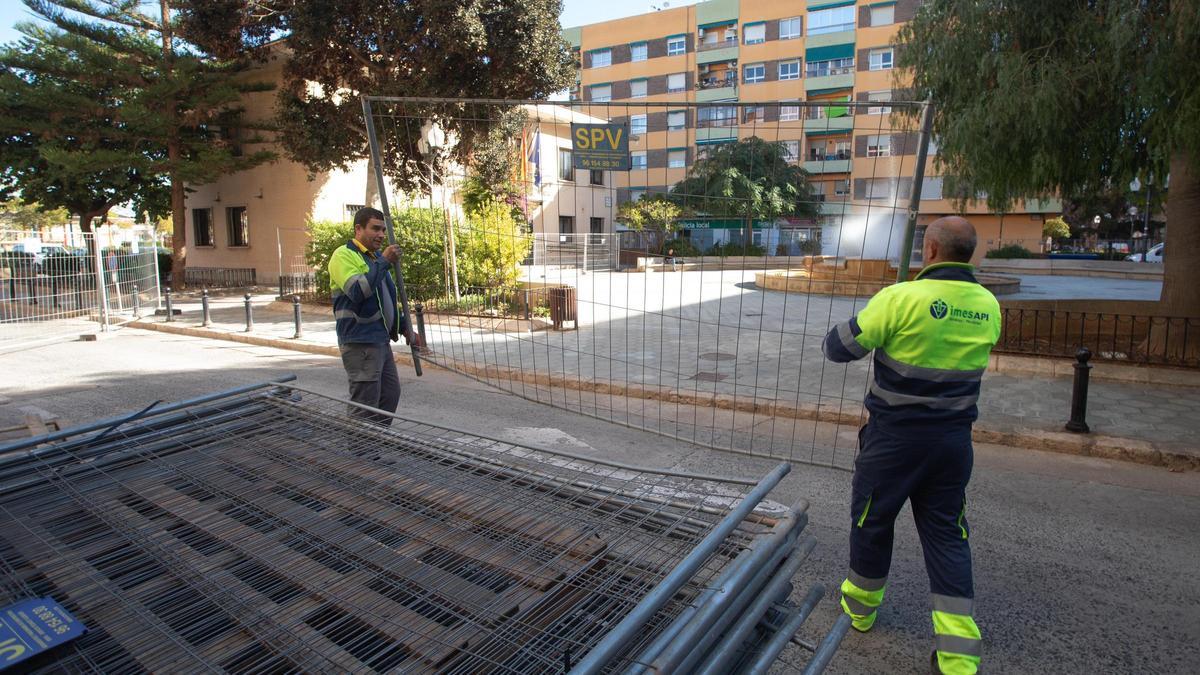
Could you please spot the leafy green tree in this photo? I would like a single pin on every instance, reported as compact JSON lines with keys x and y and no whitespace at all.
{"x":1056,"y":228}
{"x":654,"y":214}
{"x":338,"y":51}
{"x":31,"y":215}
{"x":750,"y":179}
{"x":491,"y":247}
{"x":102,"y":102}
{"x":1036,"y":98}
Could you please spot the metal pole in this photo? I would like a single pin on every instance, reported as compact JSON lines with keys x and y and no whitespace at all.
{"x":205,"y":317}
{"x":1079,"y":394}
{"x":137,"y":305}
{"x":421,"y":322}
{"x":296,"y":316}
{"x":914,"y":200}
{"x":585,"y":247}
{"x":373,"y":141}
{"x":249,"y":314}
{"x":170,"y":310}
{"x":635,"y":621}
{"x":101,"y":289}
{"x":157,"y":278}
{"x":828,"y":646}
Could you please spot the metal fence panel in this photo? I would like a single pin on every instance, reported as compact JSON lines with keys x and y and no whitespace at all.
{"x":713,"y":337}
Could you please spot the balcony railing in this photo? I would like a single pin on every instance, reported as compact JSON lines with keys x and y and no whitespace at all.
{"x":827,"y":71}
{"x":834,"y":157}
{"x":715,"y":123}
{"x":716,"y":82}
{"x":729,"y":41}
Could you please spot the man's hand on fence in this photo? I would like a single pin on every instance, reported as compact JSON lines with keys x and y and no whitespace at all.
{"x":392,"y":253}
{"x":414,"y":340}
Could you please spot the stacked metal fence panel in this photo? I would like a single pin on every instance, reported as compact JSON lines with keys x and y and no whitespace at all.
{"x":271,"y":529}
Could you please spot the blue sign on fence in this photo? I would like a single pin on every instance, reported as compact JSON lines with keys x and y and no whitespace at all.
{"x":32,"y":626}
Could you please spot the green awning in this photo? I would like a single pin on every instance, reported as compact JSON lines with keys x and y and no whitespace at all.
{"x":716,"y":141}
{"x":717,"y":24}
{"x":839,"y":111}
{"x":829,"y":53}
{"x":827,"y":132}
{"x":830,"y":5}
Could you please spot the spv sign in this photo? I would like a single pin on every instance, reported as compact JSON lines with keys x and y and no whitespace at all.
{"x":600,"y":146}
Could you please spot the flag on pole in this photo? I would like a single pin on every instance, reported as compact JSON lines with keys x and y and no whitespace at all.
{"x":535,"y":157}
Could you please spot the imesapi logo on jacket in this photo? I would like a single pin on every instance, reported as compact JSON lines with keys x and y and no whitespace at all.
{"x":940,"y":309}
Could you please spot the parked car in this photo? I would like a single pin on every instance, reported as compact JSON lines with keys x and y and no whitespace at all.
{"x":1154,"y":255}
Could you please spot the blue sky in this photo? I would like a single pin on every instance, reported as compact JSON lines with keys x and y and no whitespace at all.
{"x":575,"y":12}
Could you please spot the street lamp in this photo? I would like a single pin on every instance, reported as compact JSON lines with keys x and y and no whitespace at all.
{"x":430,"y":144}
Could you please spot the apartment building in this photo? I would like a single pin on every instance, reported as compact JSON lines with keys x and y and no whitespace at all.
{"x":736,"y":53}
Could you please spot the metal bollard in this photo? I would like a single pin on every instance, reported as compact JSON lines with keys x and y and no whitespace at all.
{"x":421,"y":322}
{"x":205,"y":317}
{"x":137,"y":306}
{"x":296,"y":316}
{"x":249,"y":314}
{"x":1079,"y":395}
{"x":170,"y":310}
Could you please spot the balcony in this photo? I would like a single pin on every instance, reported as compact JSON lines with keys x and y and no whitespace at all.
{"x":714,"y":133}
{"x":827,"y":71}
{"x":829,"y":82}
{"x":730,"y":40}
{"x":843,"y":123}
{"x":718,"y":81}
{"x":829,"y":164}
{"x":718,"y":51}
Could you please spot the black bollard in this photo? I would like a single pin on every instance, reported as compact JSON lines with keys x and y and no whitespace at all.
{"x":137,"y":305}
{"x":170,"y":310}
{"x":421,"y":322}
{"x":296,"y":316}
{"x":1078,"y":422}
{"x":205,"y":317}
{"x":249,"y":314}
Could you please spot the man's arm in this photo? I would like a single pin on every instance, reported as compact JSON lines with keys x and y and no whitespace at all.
{"x":853,"y":339}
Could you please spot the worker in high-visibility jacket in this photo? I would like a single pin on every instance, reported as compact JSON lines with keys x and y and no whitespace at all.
{"x":931,"y":338}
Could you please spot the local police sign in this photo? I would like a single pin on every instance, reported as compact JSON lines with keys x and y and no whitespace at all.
{"x":600,"y":146}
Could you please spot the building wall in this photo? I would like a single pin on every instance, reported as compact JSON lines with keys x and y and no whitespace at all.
{"x":1024,"y":223}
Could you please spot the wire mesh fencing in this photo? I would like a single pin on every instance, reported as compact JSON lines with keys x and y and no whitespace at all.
{"x":739,"y":235}
{"x":340,"y":545}
{"x":56,"y":285}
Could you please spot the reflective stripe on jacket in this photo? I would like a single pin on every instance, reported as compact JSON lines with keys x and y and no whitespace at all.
{"x":931,"y":337}
{"x":364,"y":296}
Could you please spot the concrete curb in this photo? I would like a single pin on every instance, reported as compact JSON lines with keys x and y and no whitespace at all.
{"x":1105,"y":447}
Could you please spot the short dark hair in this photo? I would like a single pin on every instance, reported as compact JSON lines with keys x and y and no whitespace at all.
{"x":959,"y":246}
{"x":365,"y":215}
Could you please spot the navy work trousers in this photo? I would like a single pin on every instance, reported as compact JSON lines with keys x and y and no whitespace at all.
{"x":932,"y":472}
{"x":374,"y":381}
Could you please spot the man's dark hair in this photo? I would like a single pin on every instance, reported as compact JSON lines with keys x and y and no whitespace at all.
{"x":959,"y":246}
{"x":365,"y":215}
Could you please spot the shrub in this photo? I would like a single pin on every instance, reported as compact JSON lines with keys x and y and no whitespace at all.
{"x":490,"y":249}
{"x":1009,"y":252}
{"x":734,"y":248}
{"x":682,"y":247}
{"x":324,"y":238}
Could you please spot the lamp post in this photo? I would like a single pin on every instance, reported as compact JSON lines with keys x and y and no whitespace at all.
{"x":432,"y":140}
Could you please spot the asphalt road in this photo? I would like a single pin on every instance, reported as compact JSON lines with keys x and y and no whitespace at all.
{"x":1081,"y":565}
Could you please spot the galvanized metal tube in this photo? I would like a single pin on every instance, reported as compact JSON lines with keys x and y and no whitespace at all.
{"x":828,"y":646}
{"x":249,"y":313}
{"x":778,"y":549}
{"x":774,"y":647}
{"x":635,"y":621}
{"x":722,"y":655}
{"x":296,"y":317}
{"x":914,"y":199}
{"x":671,"y":658}
{"x":205,"y":317}
{"x":108,"y":422}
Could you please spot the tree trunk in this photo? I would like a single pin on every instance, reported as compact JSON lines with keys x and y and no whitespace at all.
{"x":1181,"y":254}
{"x":178,"y":222}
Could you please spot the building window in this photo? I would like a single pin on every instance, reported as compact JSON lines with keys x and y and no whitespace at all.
{"x":601,"y":58}
{"x":637,"y":88}
{"x":830,"y":67}
{"x":596,"y":225}
{"x":879,"y":146}
{"x":676,"y":44}
{"x":878,"y":96}
{"x":791,"y":151}
{"x":789,"y":28}
{"x":565,"y":170}
{"x":883,"y":16}
{"x":755,"y":114}
{"x":931,"y":188}
{"x":596,"y":177}
{"x":841,"y":150}
{"x":831,"y":20}
{"x":716,"y":116}
{"x":880,"y":188}
{"x":789,"y":113}
{"x":637,"y":51}
{"x":881,"y":59}
{"x":638,"y":159}
{"x":239,"y":226}
{"x":841,"y":187}
{"x":566,"y":224}
{"x":635,"y":195}
{"x":755,"y":33}
{"x":202,"y":227}
{"x":676,"y":82}
{"x":755,"y":72}
{"x":789,"y":70}
{"x":676,"y":159}
{"x":637,"y":125}
{"x":600,"y":93}
{"x":676,"y":120}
